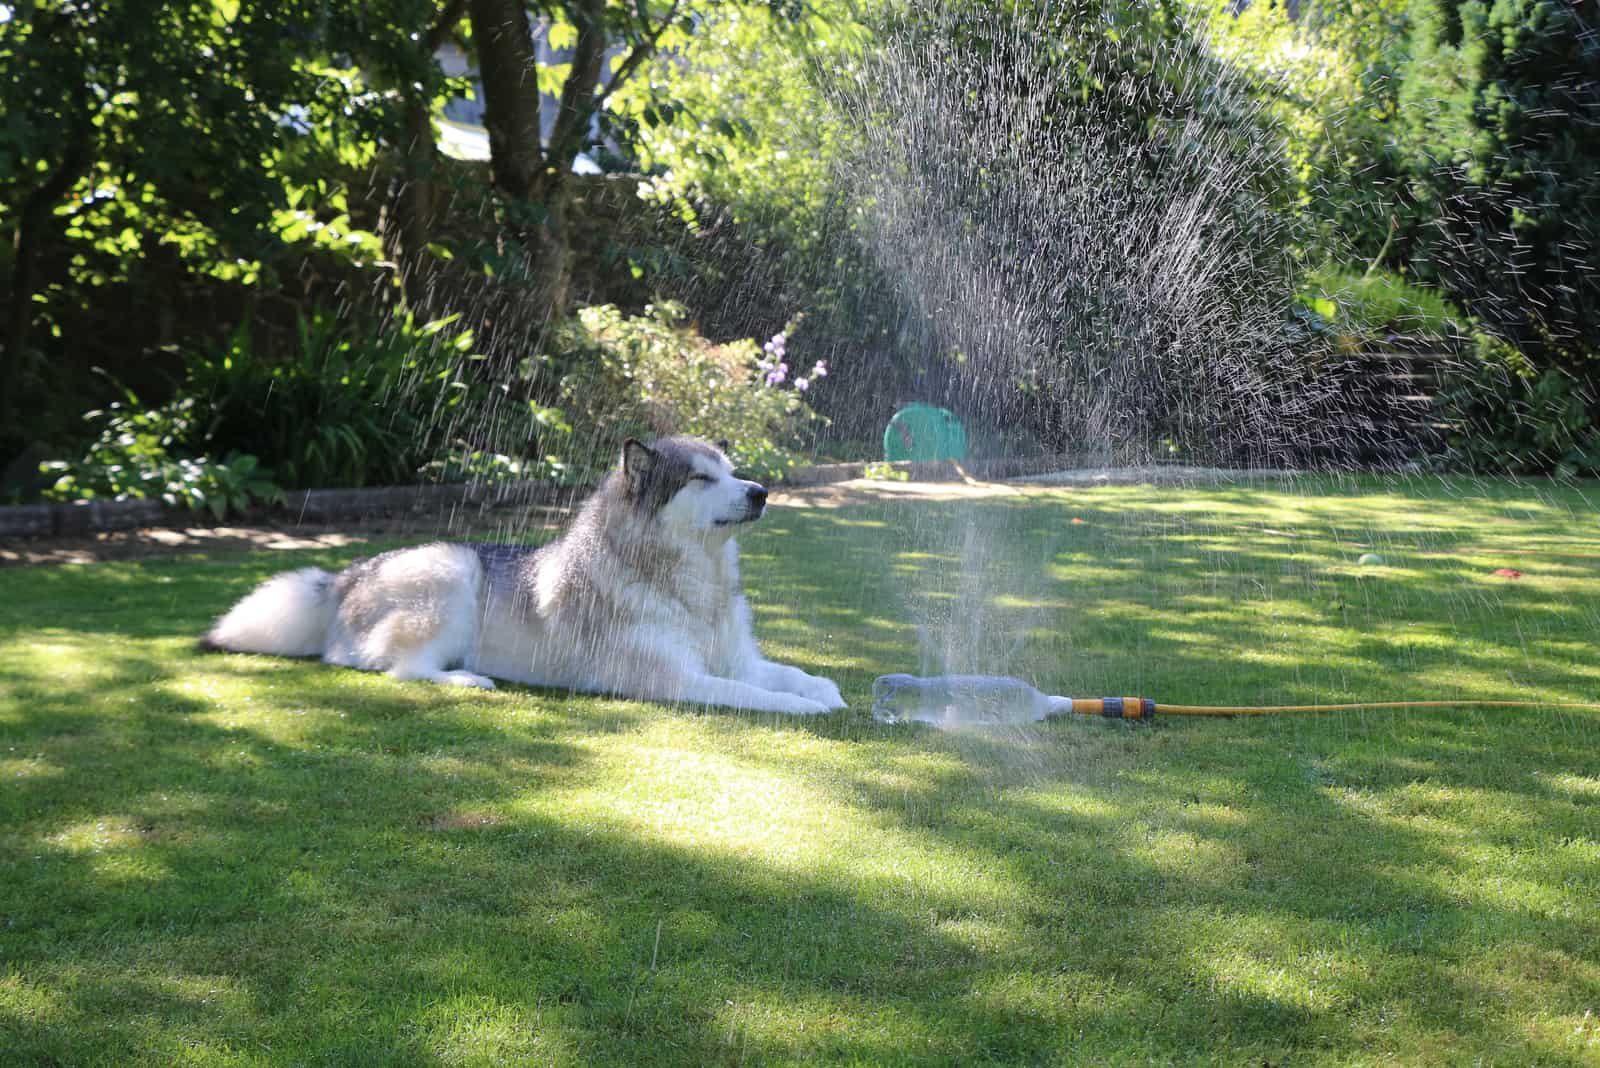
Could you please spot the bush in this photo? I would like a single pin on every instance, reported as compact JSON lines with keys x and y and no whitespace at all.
{"x":653,"y":375}
{"x":358,"y":404}
{"x":463,"y":463}
{"x":142,"y":453}
{"x":1362,"y":308}
{"x":361,"y":405}
{"x":1501,"y":108}
{"x":1513,"y":418}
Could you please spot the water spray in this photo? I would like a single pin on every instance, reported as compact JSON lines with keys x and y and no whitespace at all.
{"x":985,"y":700}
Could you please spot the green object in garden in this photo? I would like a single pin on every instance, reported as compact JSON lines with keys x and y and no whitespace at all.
{"x":923,"y":432}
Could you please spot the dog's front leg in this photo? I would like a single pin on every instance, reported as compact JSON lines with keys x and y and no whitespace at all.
{"x":770,"y":675}
{"x":739,"y":693}
{"x":748,"y":665}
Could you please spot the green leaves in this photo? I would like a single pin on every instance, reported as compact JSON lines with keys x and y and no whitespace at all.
{"x":146,"y":454}
{"x":198,"y":126}
{"x":1511,"y":416}
{"x":1498,"y":103}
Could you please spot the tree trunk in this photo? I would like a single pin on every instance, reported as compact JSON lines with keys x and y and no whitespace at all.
{"x":416,"y":202}
{"x":550,"y":246}
{"x":540,"y":179}
{"x":553,"y":256}
{"x":509,"y":70}
{"x":33,"y":221}
{"x":532,"y":182}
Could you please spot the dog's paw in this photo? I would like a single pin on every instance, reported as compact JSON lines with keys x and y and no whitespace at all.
{"x":465,"y":678}
{"x":824,"y":692}
{"x":795,"y":705}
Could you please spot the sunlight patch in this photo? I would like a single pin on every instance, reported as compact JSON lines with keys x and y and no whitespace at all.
{"x":34,"y":767}
{"x":471,"y":1028}
{"x":1260,"y":957}
{"x":810,"y":1025}
{"x":1585,"y":786}
{"x":24,"y":999}
{"x":705,"y":802}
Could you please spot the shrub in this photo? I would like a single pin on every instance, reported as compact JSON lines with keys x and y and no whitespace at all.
{"x":144,"y":453}
{"x":653,"y":375}
{"x":356,"y":405}
{"x":1514,"y":418}
{"x":360,"y":405}
{"x":1500,"y":108}
{"x":463,"y":463}
{"x":1369,"y":307}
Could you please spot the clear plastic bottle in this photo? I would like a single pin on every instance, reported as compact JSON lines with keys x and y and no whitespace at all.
{"x":962,"y":700}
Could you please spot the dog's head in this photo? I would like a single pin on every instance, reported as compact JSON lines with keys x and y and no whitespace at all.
{"x":688,"y":484}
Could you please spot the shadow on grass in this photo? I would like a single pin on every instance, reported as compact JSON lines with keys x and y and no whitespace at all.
{"x":367,"y":888}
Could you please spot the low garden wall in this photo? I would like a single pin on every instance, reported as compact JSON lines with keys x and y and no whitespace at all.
{"x":354,"y":505}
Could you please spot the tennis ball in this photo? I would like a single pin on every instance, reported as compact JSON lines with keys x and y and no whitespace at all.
{"x":1370,"y":560}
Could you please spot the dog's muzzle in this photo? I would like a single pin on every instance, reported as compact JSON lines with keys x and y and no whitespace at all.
{"x":755,"y":502}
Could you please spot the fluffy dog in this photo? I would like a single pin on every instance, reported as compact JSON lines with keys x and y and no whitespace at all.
{"x":639,"y":598}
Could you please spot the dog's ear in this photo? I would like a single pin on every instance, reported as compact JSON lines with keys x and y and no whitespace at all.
{"x":723,"y":445}
{"x":638,"y":460}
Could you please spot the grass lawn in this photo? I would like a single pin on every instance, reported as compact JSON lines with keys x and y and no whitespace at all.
{"x":228,"y":860}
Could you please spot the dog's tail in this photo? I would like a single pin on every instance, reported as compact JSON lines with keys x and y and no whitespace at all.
{"x":287,"y":615}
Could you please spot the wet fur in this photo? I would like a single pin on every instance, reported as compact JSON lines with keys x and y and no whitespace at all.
{"x":641,"y":597}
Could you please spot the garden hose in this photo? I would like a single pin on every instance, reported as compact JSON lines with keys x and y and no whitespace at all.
{"x":948,"y":700}
{"x":1142,"y":708}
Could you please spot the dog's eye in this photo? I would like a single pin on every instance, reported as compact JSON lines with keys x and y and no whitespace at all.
{"x":701,"y":478}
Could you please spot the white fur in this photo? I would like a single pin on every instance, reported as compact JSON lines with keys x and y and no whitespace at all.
{"x":596,"y":611}
{"x":287,"y":615}
{"x":416,"y":614}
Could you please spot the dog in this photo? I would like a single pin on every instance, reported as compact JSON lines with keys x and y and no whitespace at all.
{"x":639,"y":598}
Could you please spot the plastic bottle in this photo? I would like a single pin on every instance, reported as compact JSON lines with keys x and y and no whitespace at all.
{"x":962,"y":700}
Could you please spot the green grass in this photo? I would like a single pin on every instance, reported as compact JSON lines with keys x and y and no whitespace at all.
{"x":227,"y":860}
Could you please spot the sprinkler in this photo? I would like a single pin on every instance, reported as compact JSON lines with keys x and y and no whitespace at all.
{"x":977,"y":700}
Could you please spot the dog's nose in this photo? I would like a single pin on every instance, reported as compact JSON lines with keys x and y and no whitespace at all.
{"x":757,"y":495}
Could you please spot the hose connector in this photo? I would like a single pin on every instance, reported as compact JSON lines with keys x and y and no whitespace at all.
{"x":1141,"y":708}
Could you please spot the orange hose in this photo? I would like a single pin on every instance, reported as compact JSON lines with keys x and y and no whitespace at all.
{"x":1139,"y":708}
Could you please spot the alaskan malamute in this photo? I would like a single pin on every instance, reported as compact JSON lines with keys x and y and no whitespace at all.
{"x":640,"y":598}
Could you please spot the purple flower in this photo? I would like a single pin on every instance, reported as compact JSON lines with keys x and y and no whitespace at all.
{"x":802,"y":384}
{"x":776,"y":346}
{"x":777,"y":374}
{"x":820,"y":370}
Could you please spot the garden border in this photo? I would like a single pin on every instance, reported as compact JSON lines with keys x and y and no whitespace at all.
{"x":339,"y":505}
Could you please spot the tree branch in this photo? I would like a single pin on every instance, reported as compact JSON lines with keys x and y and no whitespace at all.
{"x":642,"y":51}
{"x":582,"y":95}
{"x":578,"y":99}
{"x":439,"y":32}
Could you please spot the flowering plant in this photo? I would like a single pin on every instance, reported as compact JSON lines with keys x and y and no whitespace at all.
{"x":775,"y":370}
{"x":653,"y":375}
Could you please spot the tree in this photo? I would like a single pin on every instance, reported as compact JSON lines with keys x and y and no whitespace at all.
{"x":416,"y":204}
{"x":536,"y":178}
{"x":1502,"y":108}
{"x":1333,"y":77}
{"x":136,"y":127}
